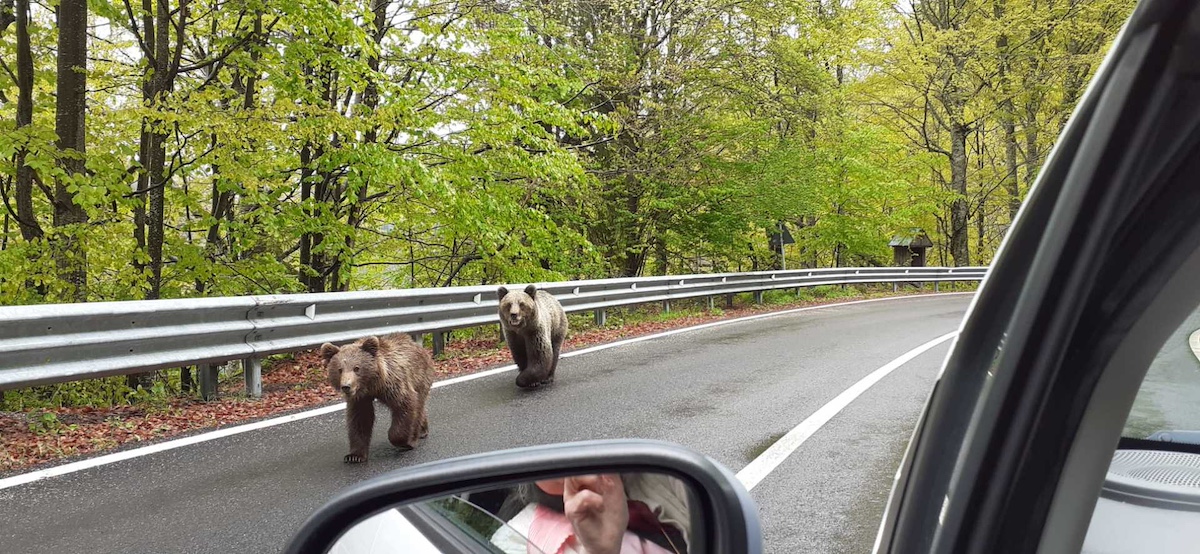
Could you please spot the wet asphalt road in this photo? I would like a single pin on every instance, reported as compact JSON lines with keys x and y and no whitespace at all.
{"x":727,"y":391}
{"x":1167,"y":399}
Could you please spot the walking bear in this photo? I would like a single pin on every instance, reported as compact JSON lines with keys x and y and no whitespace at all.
{"x":534,"y":326}
{"x":392,"y":369}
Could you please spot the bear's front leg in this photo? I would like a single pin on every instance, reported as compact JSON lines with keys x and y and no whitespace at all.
{"x":360,"y":419}
{"x":516,"y":345}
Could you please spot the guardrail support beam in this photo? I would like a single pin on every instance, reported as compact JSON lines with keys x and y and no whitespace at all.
{"x":758,"y":295}
{"x":937,"y":286}
{"x":208,"y":380}
{"x":439,"y":343}
{"x":418,"y":338}
{"x":895,"y":287}
{"x":601,"y":317}
{"x":666,"y":305}
{"x":252,"y":371}
{"x":729,"y":300}
{"x":711,"y":304}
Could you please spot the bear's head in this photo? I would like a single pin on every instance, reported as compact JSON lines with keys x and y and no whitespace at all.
{"x":518,"y":309}
{"x":355,"y":369}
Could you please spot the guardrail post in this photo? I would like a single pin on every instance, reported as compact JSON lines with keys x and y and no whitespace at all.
{"x":895,"y":286}
{"x":758,"y":295}
{"x":252,"y":371}
{"x":711,"y":304}
{"x":729,"y":300}
{"x":936,"y":286}
{"x":208,"y":380}
{"x":439,"y":343}
{"x":418,"y":338}
{"x":666,"y":305}
{"x":601,"y":317}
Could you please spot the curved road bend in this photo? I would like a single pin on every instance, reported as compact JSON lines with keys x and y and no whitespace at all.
{"x":727,"y":391}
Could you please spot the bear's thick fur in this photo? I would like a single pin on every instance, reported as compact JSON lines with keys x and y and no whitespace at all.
{"x":535,"y":326}
{"x":392,"y":369}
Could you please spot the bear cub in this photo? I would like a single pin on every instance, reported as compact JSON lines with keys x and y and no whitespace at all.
{"x":393,"y":370}
{"x":534,"y":326}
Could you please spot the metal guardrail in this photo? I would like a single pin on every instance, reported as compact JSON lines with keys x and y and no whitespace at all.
{"x":44,"y":344}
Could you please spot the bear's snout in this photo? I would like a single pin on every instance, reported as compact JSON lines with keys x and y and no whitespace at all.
{"x":346,"y":389}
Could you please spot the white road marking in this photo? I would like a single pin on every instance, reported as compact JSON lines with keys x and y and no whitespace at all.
{"x":765,"y":463}
{"x":159,"y":447}
{"x":89,"y":463}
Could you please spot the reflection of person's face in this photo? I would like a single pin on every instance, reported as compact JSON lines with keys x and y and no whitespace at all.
{"x":552,"y":486}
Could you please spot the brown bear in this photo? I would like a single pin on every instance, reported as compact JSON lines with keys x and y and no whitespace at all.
{"x":534,"y":326}
{"x":392,"y":369}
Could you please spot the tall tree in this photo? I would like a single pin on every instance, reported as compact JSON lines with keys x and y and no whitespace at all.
{"x":27,"y":221}
{"x":70,"y":125}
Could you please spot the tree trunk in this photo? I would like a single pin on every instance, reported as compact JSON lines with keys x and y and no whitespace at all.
{"x":306,"y":172}
{"x":157,"y":82}
{"x":635,"y":260}
{"x":1033,"y":103}
{"x":69,"y":118}
{"x":959,"y":213}
{"x":161,"y":83}
{"x":320,"y":260}
{"x":980,"y":230}
{"x":660,"y":254}
{"x":1008,"y":120}
{"x":370,"y":100}
{"x":144,"y":155}
{"x":156,"y":212}
{"x":1033,"y":155}
{"x":186,"y":384}
{"x":634,"y":249}
{"x":27,"y":220}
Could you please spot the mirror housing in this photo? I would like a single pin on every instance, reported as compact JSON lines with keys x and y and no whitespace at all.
{"x":730,"y":517}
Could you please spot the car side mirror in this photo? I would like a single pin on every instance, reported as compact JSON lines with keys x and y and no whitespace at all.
{"x":614,"y":495}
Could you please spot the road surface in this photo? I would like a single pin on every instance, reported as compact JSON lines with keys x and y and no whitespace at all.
{"x":728,"y":391}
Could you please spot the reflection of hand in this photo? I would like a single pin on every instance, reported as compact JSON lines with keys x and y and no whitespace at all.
{"x":596,"y":506}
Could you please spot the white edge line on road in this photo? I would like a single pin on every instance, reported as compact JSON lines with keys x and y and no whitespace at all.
{"x":89,"y":463}
{"x":765,"y":463}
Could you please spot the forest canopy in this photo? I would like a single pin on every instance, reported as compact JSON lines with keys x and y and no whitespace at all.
{"x":183,"y":148}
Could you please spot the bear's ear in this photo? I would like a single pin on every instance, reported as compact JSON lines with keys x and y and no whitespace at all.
{"x":328,"y":351}
{"x":500,"y":294}
{"x":531,"y":290}
{"x":370,"y":345}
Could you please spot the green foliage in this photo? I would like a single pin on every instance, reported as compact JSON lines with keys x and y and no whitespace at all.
{"x":310,"y":147}
{"x":103,"y":393}
{"x":317,"y":146}
{"x":43,"y":423}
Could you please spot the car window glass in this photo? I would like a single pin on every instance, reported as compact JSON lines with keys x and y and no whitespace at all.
{"x":1167,"y":407}
{"x":1150,"y":500}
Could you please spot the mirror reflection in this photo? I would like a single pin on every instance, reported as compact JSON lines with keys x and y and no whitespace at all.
{"x":583,"y":514}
